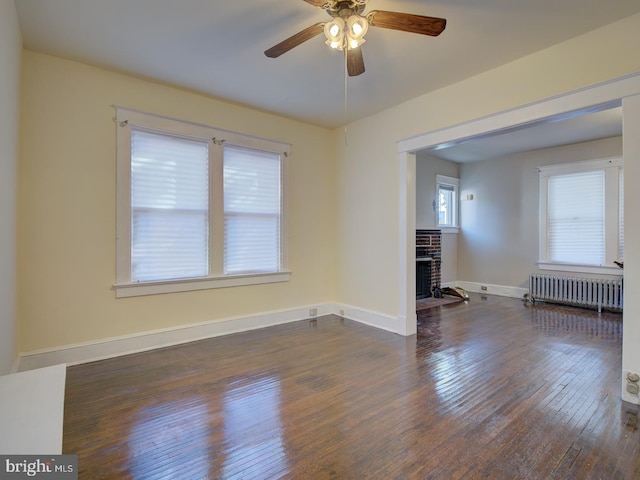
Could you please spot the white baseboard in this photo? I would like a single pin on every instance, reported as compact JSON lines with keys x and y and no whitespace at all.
{"x":141,"y":342}
{"x":15,"y":367}
{"x":367,"y":317}
{"x":502,"y":290}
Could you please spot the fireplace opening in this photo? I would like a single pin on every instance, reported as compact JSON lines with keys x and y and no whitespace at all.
{"x":423,"y":278}
{"x":428,"y":262}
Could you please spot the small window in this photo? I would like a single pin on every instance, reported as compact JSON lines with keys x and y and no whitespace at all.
{"x":197,"y":207}
{"x":447,"y":201}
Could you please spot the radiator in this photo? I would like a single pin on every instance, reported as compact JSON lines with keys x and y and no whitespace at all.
{"x":587,"y":292}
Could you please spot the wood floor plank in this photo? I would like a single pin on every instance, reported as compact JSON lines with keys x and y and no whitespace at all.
{"x":490,"y":388}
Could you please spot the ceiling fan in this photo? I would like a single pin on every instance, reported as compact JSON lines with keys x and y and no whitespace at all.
{"x":347,"y":29}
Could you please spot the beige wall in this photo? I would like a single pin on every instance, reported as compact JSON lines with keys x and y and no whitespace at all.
{"x":66,"y":215}
{"x":499,"y":239}
{"x":368,"y":218}
{"x":10,"y":54}
{"x":427,"y":168}
{"x":369,"y":204}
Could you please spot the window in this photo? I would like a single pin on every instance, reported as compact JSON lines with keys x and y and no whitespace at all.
{"x":251,"y":210}
{"x":169,"y":207}
{"x":447,"y":201}
{"x":621,"y":214}
{"x":197,"y":207}
{"x":581,"y":216}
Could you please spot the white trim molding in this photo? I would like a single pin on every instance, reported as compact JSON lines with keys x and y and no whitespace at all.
{"x":491,"y":289}
{"x":407,"y":321}
{"x":192,"y":284}
{"x":367,"y":317}
{"x":15,"y":367}
{"x":151,"y":340}
{"x":591,"y":98}
{"x":631,"y":314}
{"x":140,"y":342}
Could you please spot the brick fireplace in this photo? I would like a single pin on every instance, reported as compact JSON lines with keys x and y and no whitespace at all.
{"x":429,"y":244}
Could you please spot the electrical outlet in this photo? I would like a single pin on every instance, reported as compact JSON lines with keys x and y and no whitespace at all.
{"x":484,"y":288}
{"x":313,"y":312}
{"x":341,"y":312}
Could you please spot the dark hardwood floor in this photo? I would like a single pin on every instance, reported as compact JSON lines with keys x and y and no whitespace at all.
{"x":492,"y":388}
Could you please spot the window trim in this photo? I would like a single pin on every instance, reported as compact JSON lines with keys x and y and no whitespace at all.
{"x":125,"y":119}
{"x":612,"y":167}
{"x":455,"y":183}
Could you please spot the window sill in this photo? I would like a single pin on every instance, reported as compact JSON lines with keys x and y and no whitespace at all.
{"x":565,"y":267}
{"x":448,"y":229}
{"x":125,"y":290}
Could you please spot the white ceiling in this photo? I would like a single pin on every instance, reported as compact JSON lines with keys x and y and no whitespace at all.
{"x":553,"y":132}
{"x":216,"y":47}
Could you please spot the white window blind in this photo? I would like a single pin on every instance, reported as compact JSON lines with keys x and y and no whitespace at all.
{"x":445,"y":204}
{"x":447,"y":201}
{"x":576,"y":218}
{"x":197,"y":207}
{"x":252,"y":210}
{"x":169,"y":207}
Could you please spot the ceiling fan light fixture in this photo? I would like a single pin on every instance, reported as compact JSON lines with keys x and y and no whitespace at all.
{"x":334,"y":32}
{"x":348,"y":27}
{"x":357,"y":27}
{"x":354,"y":43}
{"x":349,"y":34}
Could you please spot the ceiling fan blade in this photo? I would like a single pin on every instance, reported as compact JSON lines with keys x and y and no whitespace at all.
{"x":318,"y":3}
{"x":406,"y":22}
{"x":355,"y":62}
{"x":295,"y":40}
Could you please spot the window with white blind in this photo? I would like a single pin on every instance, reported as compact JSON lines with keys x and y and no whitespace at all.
{"x":581,"y":216}
{"x":197,"y":207}
{"x":252,"y":205}
{"x":169,"y":207}
{"x":447,"y":201}
{"x":621,"y":214}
